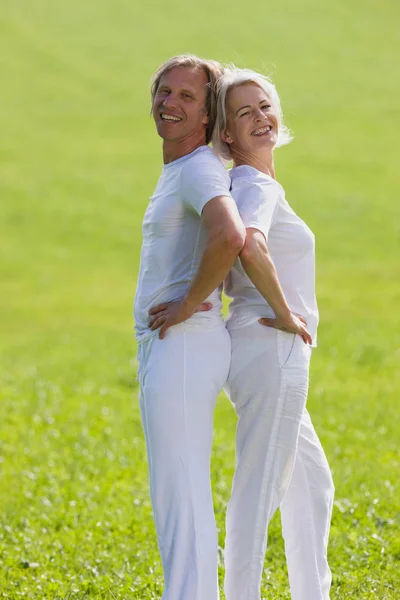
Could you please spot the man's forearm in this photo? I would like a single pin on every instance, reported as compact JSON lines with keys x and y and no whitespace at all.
{"x":217,"y":260}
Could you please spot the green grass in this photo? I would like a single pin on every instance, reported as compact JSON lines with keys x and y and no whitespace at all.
{"x":78,"y":160}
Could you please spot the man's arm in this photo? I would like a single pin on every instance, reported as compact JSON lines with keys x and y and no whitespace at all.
{"x":259,"y":267}
{"x":226,"y":236}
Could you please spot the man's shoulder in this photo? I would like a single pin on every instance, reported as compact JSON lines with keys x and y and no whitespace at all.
{"x":204,"y":158}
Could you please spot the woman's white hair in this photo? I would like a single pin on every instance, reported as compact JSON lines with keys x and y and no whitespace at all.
{"x":232,"y":77}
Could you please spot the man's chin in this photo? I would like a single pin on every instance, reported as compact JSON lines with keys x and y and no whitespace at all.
{"x":166,"y":134}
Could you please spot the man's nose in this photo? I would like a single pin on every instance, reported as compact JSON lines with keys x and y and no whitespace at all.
{"x":169,"y":101}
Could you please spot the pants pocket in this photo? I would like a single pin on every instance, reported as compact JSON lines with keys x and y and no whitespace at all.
{"x":285,"y":343}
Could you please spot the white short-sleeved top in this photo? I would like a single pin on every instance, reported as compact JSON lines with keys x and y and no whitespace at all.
{"x":174,"y":237}
{"x":262,"y":205}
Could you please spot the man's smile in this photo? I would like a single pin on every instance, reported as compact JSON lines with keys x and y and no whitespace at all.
{"x":170,"y":118}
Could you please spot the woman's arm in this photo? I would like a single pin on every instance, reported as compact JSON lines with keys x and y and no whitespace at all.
{"x":258,"y":265}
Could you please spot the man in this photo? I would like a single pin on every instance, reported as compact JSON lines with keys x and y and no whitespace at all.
{"x":192,"y":235}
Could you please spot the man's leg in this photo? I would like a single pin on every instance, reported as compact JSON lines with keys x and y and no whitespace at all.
{"x":268,"y":385}
{"x":180,"y":381}
{"x":306,"y":511}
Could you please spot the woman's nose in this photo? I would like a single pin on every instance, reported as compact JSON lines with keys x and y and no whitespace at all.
{"x":260,"y":116}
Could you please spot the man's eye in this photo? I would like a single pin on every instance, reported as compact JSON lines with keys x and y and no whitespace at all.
{"x":187,"y":95}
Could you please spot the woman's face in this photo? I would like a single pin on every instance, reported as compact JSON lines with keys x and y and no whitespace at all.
{"x":252,"y":121}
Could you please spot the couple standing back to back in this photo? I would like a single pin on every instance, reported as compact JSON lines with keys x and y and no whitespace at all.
{"x":203,"y":226}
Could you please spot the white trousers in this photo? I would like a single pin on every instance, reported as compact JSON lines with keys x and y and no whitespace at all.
{"x":180,"y":378}
{"x":280,"y":463}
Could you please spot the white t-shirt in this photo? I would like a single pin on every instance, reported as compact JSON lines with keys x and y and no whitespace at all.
{"x":174,"y":237}
{"x":262,"y":205}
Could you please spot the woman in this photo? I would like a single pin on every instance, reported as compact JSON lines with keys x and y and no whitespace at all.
{"x":280,"y":461}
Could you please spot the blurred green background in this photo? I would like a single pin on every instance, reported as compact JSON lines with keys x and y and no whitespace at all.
{"x":79,"y":158}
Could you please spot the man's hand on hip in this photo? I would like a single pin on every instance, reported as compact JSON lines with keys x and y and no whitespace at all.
{"x":166,"y":315}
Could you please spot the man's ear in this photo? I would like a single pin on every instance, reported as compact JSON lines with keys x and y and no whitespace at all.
{"x":225,"y":137}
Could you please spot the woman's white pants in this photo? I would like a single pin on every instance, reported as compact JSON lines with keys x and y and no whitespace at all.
{"x":180,"y":378}
{"x":280,"y":463}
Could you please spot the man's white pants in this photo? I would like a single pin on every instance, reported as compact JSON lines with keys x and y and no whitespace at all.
{"x":280,"y":463}
{"x":180,"y":378}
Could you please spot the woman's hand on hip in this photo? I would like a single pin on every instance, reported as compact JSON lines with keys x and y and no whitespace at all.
{"x":292,"y":324}
{"x":166,"y":315}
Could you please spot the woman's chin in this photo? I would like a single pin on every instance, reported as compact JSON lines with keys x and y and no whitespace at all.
{"x":264,"y":142}
{"x":267,"y":139}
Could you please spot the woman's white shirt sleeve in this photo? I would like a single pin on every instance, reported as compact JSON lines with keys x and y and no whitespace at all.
{"x":256,"y":204}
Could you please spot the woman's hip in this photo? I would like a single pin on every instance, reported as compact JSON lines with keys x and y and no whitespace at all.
{"x":260,"y":351}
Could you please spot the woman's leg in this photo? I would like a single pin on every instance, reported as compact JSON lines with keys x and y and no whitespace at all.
{"x":180,"y":378}
{"x":306,"y":511}
{"x":267,"y":384}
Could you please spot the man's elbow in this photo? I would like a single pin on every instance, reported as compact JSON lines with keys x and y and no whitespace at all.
{"x":228,"y":239}
{"x":235,"y":238}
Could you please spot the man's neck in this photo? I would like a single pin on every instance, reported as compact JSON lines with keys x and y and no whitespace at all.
{"x":176,"y":149}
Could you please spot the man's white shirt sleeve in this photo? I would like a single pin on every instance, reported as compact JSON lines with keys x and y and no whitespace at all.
{"x":202,"y":180}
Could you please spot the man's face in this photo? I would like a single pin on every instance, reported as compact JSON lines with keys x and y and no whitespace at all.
{"x":179,"y":104}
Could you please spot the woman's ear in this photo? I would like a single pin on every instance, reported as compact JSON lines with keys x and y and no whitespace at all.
{"x":225,"y":137}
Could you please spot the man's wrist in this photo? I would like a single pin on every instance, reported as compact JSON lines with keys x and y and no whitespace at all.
{"x":188,"y":305}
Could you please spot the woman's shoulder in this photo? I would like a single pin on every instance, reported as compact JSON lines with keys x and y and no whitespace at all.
{"x":249,"y":181}
{"x":246,"y":176}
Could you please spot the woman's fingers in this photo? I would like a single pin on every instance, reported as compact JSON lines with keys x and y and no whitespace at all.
{"x":302,"y":319}
{"x":307,"y":339}
{"x":300,"y":329}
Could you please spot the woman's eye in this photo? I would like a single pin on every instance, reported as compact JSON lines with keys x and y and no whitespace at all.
{"x":244,"y":114}
{"x":187,"y":96}
{"x":266,"y":107}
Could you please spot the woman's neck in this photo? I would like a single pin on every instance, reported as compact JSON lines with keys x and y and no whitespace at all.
{"x":262,"y":161}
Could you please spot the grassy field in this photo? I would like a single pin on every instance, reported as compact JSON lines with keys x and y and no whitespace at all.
{"x":78,"y":160}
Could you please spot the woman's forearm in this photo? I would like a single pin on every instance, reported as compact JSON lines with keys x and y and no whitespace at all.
{"x":259,"y":267}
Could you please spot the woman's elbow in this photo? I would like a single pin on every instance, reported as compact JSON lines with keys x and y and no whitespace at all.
{"x":252,"y":249}
{"x":247,"y":253}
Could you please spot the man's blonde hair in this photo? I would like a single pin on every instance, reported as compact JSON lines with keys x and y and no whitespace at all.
{"x":211,"y":68}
